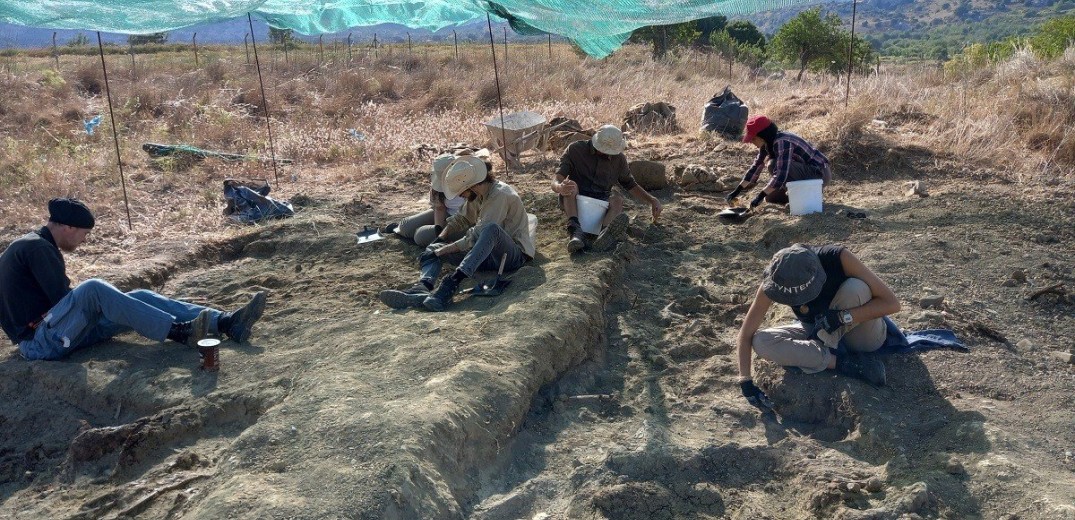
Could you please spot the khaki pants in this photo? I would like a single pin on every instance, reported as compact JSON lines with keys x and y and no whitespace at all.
{"x":790,"y":345}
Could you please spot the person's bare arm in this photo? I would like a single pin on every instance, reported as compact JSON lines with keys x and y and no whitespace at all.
{"x":751,"y":324}
{"x":641,"y":194}
{"x":883,"y":301}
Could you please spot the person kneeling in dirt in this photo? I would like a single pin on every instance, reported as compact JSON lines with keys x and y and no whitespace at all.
{"x":47,"y":319}
{"x":589,"y":168}
{"x":493,"y":225}
{"x":837,"y":300}
{"x":790,"y":158}
{"x":424,"y":227}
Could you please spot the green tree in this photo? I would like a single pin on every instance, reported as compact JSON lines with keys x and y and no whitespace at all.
{"x":708,"y":26}
{"x":665,"y":37}
{"x":1054,"y":37}
{"x":810,"y":39}
{"x":747,"y":53}
{"x":280,"y":36}
{"x":79,"y":40}
{"x":147,"y":39}
{"x":747,"y":33}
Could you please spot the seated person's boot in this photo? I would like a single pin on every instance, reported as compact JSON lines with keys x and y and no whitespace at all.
{"x":867,"y":367}
{"x":613,"y":234}
{"x":442,"y":297}
{"x":407,"y":298}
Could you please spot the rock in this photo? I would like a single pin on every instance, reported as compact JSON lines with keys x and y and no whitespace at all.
{"x":954,"y":467}
{"x":915,"y":188}
{"x":1009,"y":283}
{"x":874,"y":485}
{"x":1019,"y":276}
{"x":1064,"y":357}
{"x":651,"y":175}
{"x":931,"y":301}
{"x":1024,"y":344}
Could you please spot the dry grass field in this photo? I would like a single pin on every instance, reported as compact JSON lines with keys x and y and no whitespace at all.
{"x":599,"y":386}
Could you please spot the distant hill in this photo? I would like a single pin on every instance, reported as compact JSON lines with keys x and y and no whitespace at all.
{"x":922,"y":28}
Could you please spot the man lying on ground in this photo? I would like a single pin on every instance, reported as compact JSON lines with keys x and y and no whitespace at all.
{"x":836,"y":299}
{"x":48,"y":320}
{"x":790,"y":158}
{"x":493,"y":223}
{"x":589,"y":168}
{"x":424,"y":227}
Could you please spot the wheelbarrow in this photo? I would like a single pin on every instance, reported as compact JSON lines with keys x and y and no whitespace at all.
{"x":494,"y":287}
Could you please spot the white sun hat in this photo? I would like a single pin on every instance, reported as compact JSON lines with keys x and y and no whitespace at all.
{"x":440,"y":166}
{"x":609,"y":140}
{"x":465,"y":172}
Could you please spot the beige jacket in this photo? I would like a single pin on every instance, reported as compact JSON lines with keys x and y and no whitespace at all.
{"x":501,"y":206}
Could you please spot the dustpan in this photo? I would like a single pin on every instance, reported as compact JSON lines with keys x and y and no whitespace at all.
{"x":369,"y":234}
{"x":494,"y":287}
{"x":734,"y":214}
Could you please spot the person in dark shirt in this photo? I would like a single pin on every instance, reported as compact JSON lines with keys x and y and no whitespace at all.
{"x":47,"y":319}
{"x":589,"y":169}
{"x":835,"y":298}
{"x":790,"y":158}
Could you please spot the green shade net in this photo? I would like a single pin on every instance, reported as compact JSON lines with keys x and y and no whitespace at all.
{"x":598,"y":27}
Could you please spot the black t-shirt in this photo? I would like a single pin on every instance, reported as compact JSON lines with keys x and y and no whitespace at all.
{"x":594,"y":173}
{"x":33,"y":278}
{"x":834,"y":278}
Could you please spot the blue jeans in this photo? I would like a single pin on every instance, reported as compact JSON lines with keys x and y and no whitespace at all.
{"x":492,"y":244}
{"x":95,"y":311}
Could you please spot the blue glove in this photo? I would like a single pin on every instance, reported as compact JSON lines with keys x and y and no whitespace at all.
{"x":829,"y":321}
{"x":757,"y":200}
{"x":754,"y":395}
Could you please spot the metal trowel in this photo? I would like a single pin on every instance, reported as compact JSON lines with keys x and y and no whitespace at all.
{"x":369,"y":234}
{"x":494,"y":287}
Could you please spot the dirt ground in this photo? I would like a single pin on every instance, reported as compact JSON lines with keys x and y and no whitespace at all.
{"x":601,"y":386}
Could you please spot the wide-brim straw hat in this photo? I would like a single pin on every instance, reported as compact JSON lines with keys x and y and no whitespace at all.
{"x":465,"y":172}
{"x":440,"y":167}
{"x":609,"y":140}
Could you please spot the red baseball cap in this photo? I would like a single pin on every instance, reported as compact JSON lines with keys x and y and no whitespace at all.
{"x":754,"y":125}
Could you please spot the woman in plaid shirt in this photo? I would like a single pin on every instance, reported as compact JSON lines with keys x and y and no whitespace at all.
{"x":790,"y":158}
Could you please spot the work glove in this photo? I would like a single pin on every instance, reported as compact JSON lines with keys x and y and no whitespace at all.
{"x":829,"y":321}
{"x":757,"y":200}
{"x":754,"y":395}
{"x":735,"y":193}
{"x":430,"y":253}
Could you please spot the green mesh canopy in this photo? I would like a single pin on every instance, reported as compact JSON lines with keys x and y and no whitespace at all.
{"x":598,"y":27}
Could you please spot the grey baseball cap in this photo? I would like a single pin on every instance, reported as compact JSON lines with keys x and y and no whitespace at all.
{"x":794,"y":276}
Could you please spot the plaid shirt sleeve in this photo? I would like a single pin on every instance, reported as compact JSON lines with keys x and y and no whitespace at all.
{"x":755,"y":169}
{"x":782,"y":163}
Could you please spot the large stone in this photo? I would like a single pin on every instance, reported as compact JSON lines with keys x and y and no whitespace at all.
{"x":651,"y":175}
{"x":931,"y":301}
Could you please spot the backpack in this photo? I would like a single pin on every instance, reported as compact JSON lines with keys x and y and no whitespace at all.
{"x":249,"y":202}
{"x":725,"y":114}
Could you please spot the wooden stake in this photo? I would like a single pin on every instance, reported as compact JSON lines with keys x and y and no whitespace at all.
{"x":195,"y":40}
{"x":115,"y":134}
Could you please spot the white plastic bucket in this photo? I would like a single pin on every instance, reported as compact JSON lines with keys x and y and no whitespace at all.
{"x":805,"y":196}
{"x":591,"y":211}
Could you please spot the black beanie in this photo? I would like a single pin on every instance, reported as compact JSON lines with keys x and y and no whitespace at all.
{"x":71,"y":212}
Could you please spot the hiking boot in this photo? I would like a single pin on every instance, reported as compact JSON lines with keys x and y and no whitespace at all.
{"x":405,"y":299}
{"x":191,"y":332}
{"x":442,"y":297}
{"x":577,"y":241}
{"x":866,"y":367}
{"x":239,"y":324}
{"x":615,"y":232}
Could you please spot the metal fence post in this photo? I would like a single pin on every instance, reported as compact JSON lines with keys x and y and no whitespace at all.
{"x":194,"y":39}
